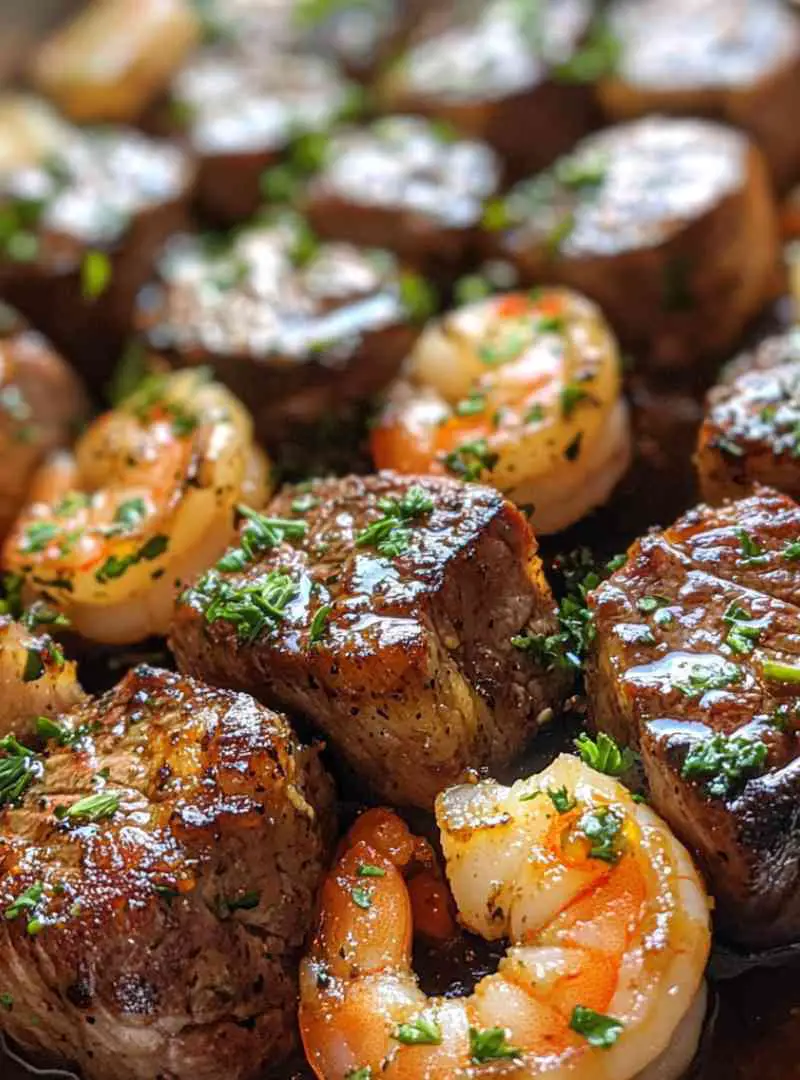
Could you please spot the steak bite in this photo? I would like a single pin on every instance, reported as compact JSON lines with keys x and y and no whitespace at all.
{"x":511,"y":74}
{"x":79,"y":234}
{"x":696,"y":664}
{"x":42,"y":405}
{"x":395,"y":623}
{"x":295,"y":328}
{"x":241,"y":114}
{"x":700,"y":58}
{"x":668,"y":224}
{"x":406,"y":184}
{"x":751,"y":430}
{"x":158,"y":870}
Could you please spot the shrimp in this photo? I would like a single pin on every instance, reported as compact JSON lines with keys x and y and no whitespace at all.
{"x":522,"y":391}
{"x":144,"y":503}
{"x":36,"y":680}
{"x":609,"y":935}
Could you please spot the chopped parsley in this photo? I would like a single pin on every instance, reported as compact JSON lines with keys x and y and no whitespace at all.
{"x":91,"y":807}
{"x":598,"y":1030}
{"x":535,"y":414}
{"x":34,"y":665}
{"x":471,"y":405}
{"x":95,"y":274}
{"x":791,"y":550}
{"x":581,"y":170}
{"x":368,"y":870}
{"x":744,"y":632}
{"x":569,"y":645}
{"x":390,"y":535}
{"x":128,"y":516}
{"x":562,"y":800}
{"x":319,"y":623}
{"x":752,"y":552}
{"x":423,"y":1031}
{"x":470,"y":459}
{"x":490,"y":1044}
{"x":572,"y":395}
{"x":36,"y":537}
{"x":117,"y":565}
{"x":51,"y":731}
{"x":260,"y":534}
{"x":602,"y":827}
{"x":648,"y":604}
{"x":26,"y":901}
{"x":7,"y":1002}
{"x":547,"y":650}
{"x":604,"y":754}
{"x":249,"y":608}
{"x":417,"y":296}
{"x":364,"y":1073}
{"x":724,"y":762}
{"x":305,"y":502}
{"x":19,"y":766}
{"x":777,"y":671}
{"x":41,"y":613}
{"x":697,"y":676}
{"x":362,"y":896}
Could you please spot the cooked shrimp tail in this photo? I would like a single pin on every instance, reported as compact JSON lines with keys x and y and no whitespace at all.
{"x":608,"y":925}
{"x":144,"y":503}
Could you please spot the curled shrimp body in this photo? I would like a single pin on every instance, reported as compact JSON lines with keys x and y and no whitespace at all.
{"x":144,"y":502}
{"x":609,"y":934}
{"x":522,"y":391}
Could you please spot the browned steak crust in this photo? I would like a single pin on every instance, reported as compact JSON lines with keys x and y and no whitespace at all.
{"x":411,"y":670}
{"x":698,"y":636}
{"x":155,"y":934}
{"x":297,"y":329}
{"x":669,"y":224}
{"x":751,"y":430}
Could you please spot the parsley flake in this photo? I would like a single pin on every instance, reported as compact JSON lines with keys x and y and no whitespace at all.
{"x":598,"y":1030}
{"x":423,"y":1031}
{"x":724,"y":762}
{"x":604,"y":754}
{"x":490,"y":1044}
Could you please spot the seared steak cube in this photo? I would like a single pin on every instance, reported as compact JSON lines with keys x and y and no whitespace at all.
{"x":79,"y":236}
{"x":392,"y":623}
{"x":696,"y":663}
{"x":669,"y":224}
{"x":293,"y":327}
{"x":158,"y":869}
{"x":504,"y":72}
{"x":240,"y":114}
{"x":42,"y":405}
{"x":408,"y":185}
{"x":751,"y":430}
{"x":698,"y":58}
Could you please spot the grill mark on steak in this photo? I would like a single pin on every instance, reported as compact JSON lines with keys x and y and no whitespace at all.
{"x":640,"y":686}
{"x":170,"y":928}
{"x":750,"y":431}
{"x":414,"y":678}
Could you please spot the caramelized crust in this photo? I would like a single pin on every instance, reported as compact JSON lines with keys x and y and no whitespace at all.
{"x":294,"y":328}
{"x":699,"y":58}
{"x":751,"y":430}
{"x":668,"y":224}
{"x":164,"y":939}
{"x":414,"y":676}
{"x":668,"y":670}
